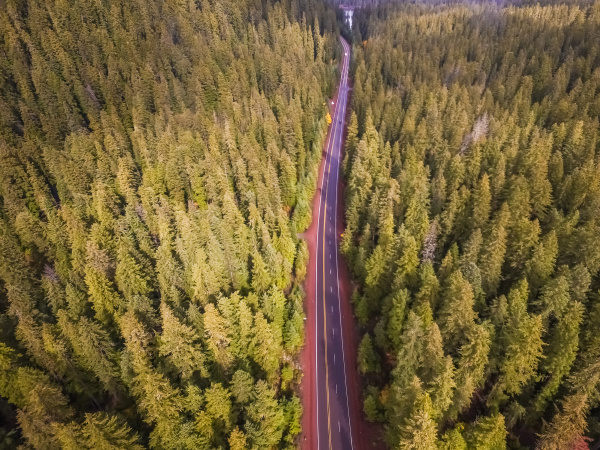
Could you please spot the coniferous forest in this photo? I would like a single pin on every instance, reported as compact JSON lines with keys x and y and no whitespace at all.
{"x":157,"y":160}
{"x":473,"y":223}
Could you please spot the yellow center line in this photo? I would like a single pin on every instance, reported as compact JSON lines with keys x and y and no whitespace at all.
{"x":324,"y":305}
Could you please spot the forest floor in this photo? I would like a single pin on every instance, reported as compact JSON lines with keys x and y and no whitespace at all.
{"x":364,"y":434}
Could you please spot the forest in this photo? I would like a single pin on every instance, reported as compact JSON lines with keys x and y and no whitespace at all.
{"x":473,"y":223}
{"x":157,"y":161}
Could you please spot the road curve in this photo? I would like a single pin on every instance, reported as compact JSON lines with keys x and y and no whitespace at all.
{"x":332,"y":412}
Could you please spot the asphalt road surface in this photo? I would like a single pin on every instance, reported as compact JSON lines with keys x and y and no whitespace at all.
{"x":334,"y":430}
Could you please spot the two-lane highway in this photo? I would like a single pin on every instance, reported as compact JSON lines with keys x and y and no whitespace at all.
{"x":334,"y":430}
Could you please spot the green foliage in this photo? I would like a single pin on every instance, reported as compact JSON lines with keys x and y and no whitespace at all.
{"x":372,"y":406}
{"x":487,"y":433}
{"x":368,"y":360}
{"x":266,"y":419}
{"x":453,"y":440}
{"x":301,"y":263}
{"x":472,"y":177}
{"x":156,"y":162}
{"x":419,"y":432}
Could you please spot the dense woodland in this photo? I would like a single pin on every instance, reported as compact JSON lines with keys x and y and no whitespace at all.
{"x":473,"y":223}
{"x":157,"y":159}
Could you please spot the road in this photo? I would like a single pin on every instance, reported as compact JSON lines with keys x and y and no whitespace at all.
{"x":334,"y":427}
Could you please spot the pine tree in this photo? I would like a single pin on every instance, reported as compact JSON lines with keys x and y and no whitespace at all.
{"x":408,"y":260}
{"x":543,"y":259}
{"x":180,"y":345}
{"x":261,"y":279}
{"x":242,"y":386}
{"x":301,"y":263}
{"x":217,"y":339}
{"x":456,"y":314}
{"x":205,"y":280}
{"x":522,"y":342}
{"x":437,"y":371}
{"x":561,"y":351}
{"x":453,"y":439}
{"x":396,"y":318}
{"x":367,"y":359}
{"x":567,"y":425}
{"x":267,"y":346}
{"x":41,"y":404}
{"x":265,"y":418}
{"x":493,"y":252}
{"x":409,"y":356}
{"x":430,"y":286}
{"x":130,"y":275}
{"x":471,"y":367}
{"x":351,"y":143}
{"x":419,"y":431}
{"x":105,"y":300}
{"x":92,"y":348}
{"x":106,"y":432}
{"x":481,"y":203}
{"x":237,"y":440}
{"x":219,"y":408}
{"x":487,"y":433}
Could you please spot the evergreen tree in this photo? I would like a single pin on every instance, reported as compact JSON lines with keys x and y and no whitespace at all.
{"x":487,"y":433}
{"x":456,"y":314}
{"x":522,"y":342}
{"x":265,"y":418}
{"x":368,"y":360}
{"x":105,"y":432}
{"x":568,"y":424}
{"x":419,"y":431}
{"x":180,"y":345}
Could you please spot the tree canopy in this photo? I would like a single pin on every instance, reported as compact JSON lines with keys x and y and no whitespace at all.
{"x":472,"y":222}
{"x":157,"y":160}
